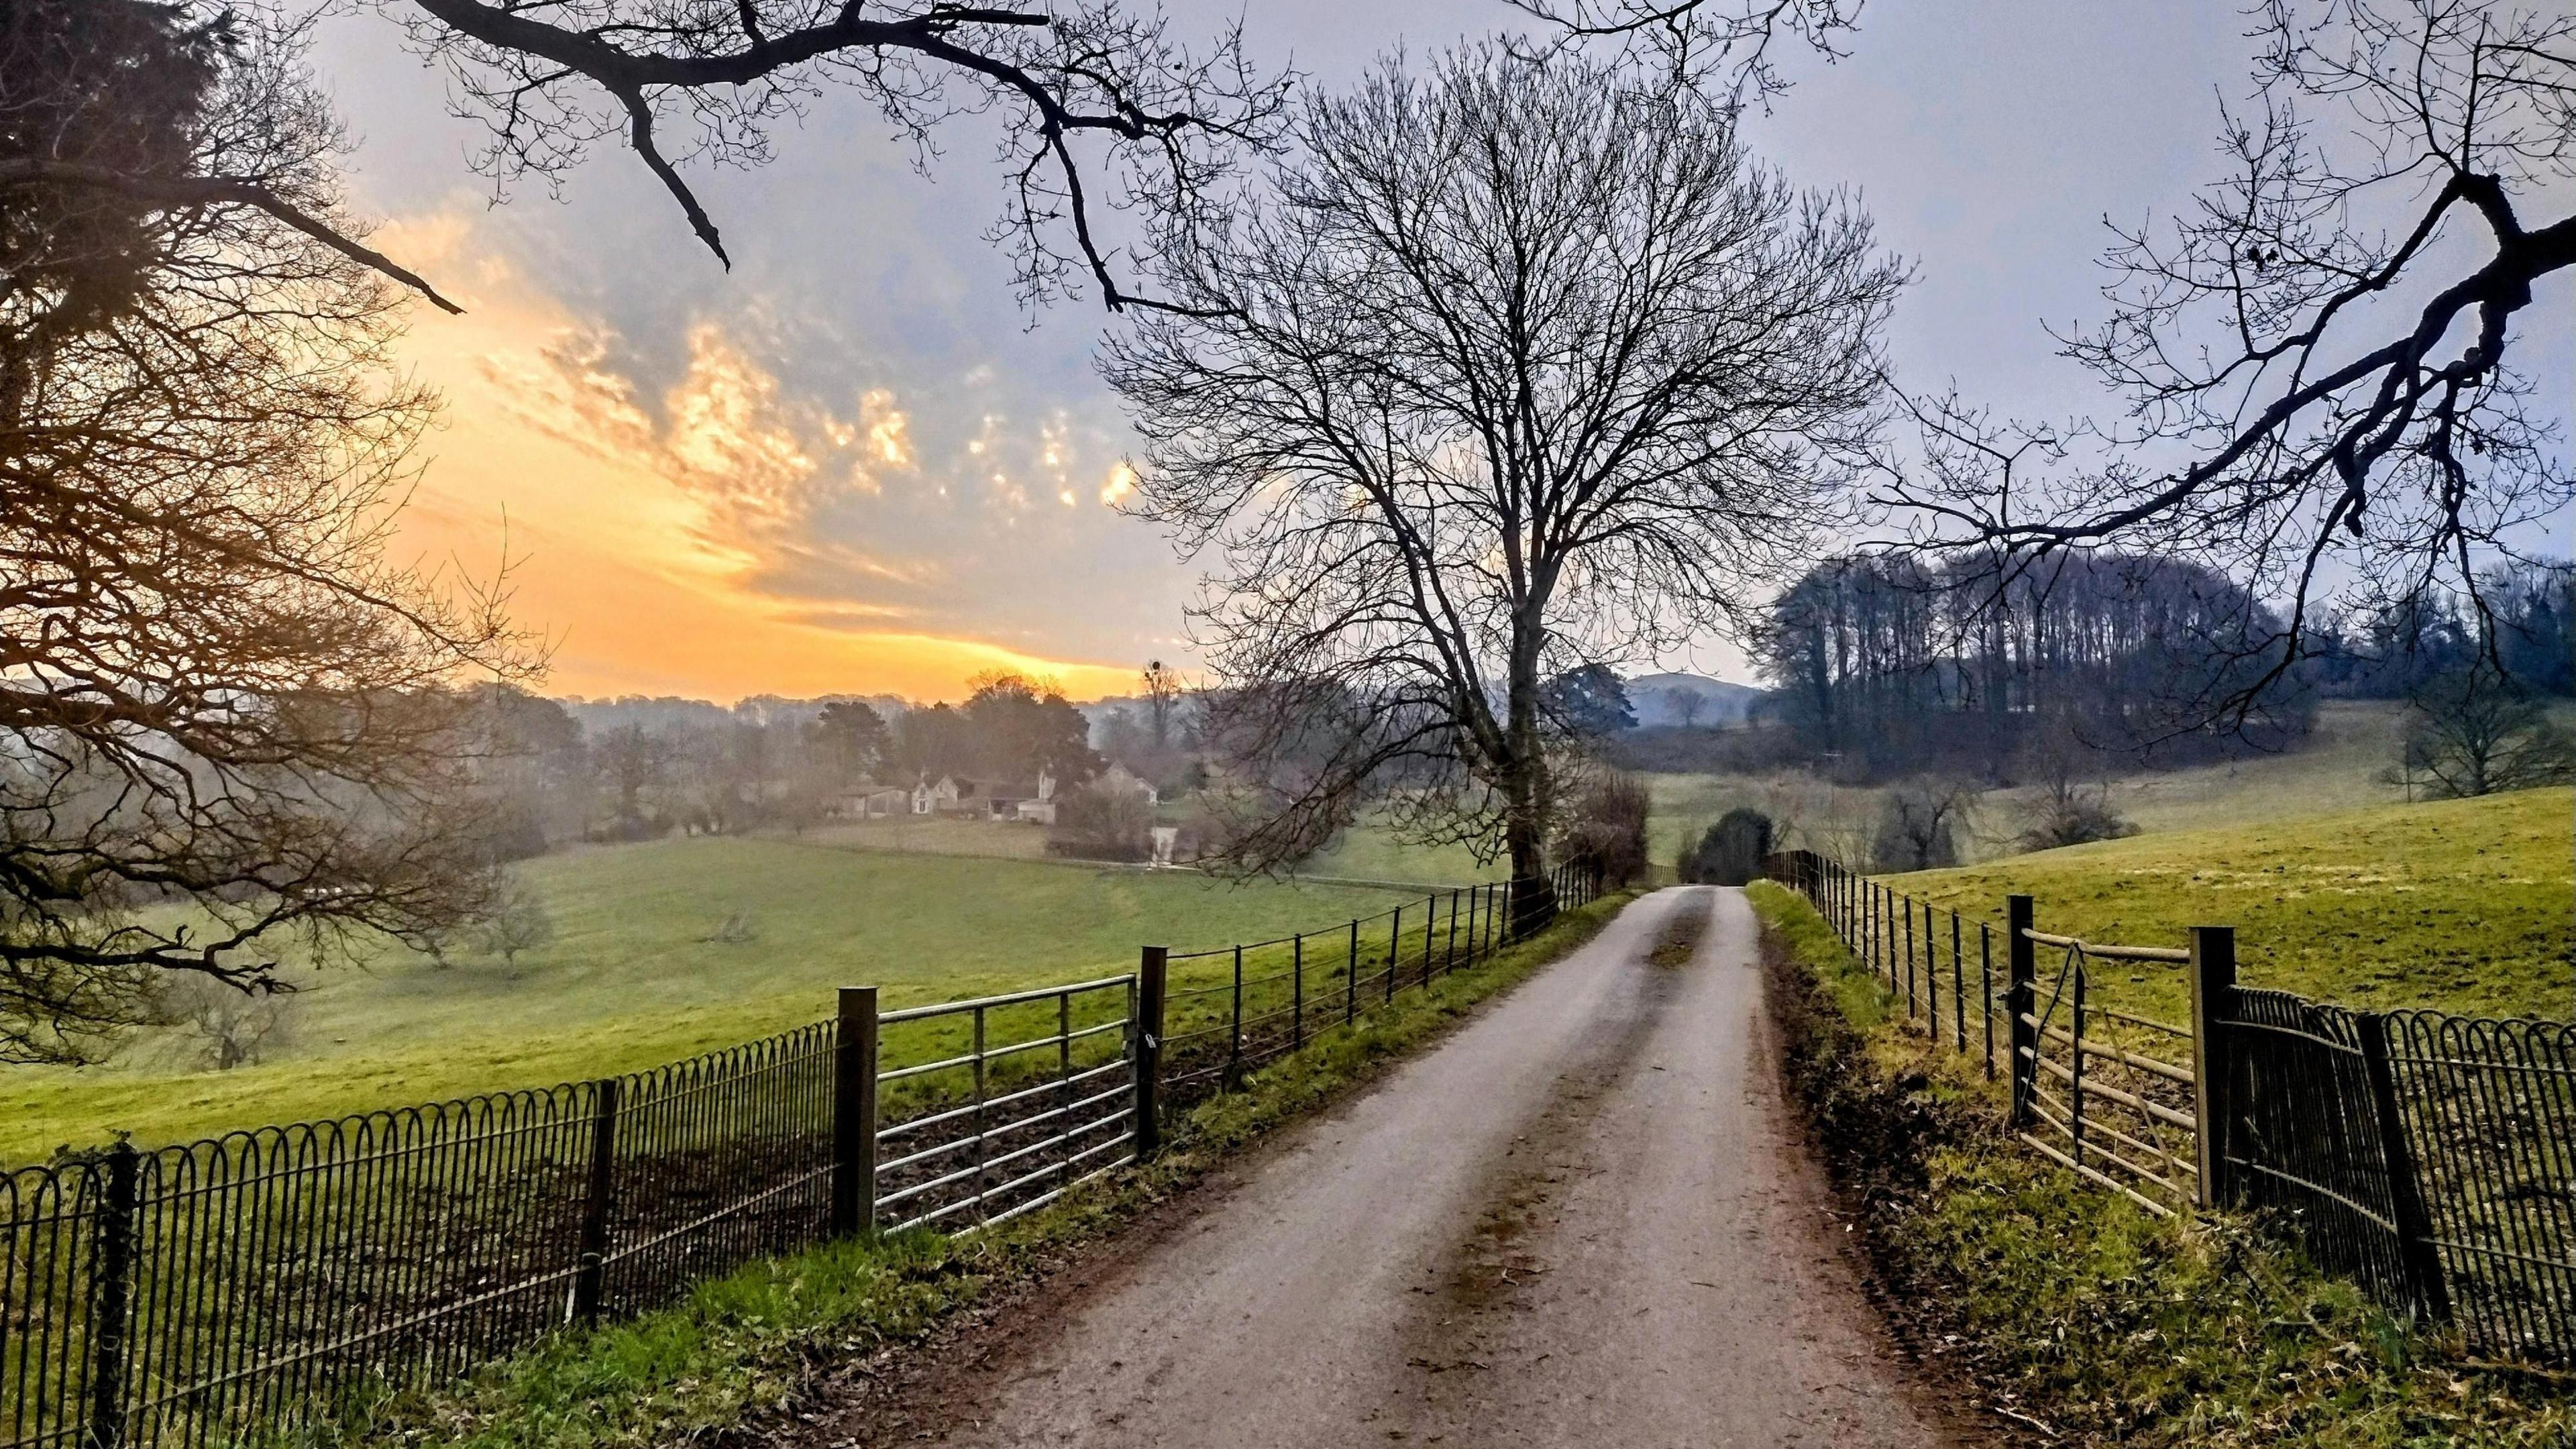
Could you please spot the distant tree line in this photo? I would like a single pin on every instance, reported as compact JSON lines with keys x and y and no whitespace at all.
{"x":2396,"y":648}
{"x":684,"y":766}
{"x":1878,"y":659}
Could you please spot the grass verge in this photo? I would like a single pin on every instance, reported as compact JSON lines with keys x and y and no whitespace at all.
{"x":757,"y":1343}
{"x":2082,"y":1318}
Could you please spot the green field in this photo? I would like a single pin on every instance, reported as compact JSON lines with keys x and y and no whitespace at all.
{"x":633,"y":977}
{"x":937,"y":835}
{"x":2339,"y":767}
{"x":2467,"y":905}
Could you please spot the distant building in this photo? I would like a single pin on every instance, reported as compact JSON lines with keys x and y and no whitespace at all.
{"x":945,"y":796}
{"x":870,"y":802}
{"x":1118,"y":779}
{"x":1033,"y":802}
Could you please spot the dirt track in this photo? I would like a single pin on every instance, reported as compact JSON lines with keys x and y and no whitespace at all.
{"x":1583,"y":1220}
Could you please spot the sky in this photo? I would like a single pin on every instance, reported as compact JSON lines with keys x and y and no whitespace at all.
{"x":854,"y":463}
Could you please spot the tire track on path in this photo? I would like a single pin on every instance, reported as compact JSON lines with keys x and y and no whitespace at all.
{"x":1584,"y":1219}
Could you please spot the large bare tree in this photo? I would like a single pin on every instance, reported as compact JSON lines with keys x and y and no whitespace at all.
{"x":2316,"y":356}
{"x":1519,"y":363}
{"x":1100,"y":107}
{"x":225,"y":713}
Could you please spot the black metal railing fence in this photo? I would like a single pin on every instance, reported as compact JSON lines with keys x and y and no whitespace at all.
{"x":1254,"y":1003}
{"x":2431,"y":1157}
{"x":234,"y":1290}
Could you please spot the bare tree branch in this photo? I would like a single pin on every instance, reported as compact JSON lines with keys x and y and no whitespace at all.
{"x":2315,"y":356}
{"x":1174,"y":123}
{"x":199,"y":191}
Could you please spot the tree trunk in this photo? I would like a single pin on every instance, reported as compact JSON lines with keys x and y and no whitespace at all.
{"x":1533,"y":902}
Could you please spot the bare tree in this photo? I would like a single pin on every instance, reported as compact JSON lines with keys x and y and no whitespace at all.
{"x":1162,"y":686}
{"x":220,"y":694}
{"x":519,"y":921}
{"x":2317,"y":351}
{"x":124,"y":125}
{"x":226,"y":1026}
{"x":634,"y":761}
{"x":2071,"y":771}
{"x":1687,"y":706}
{"x":1101,"y":108}
{"x":1919,"y":823}
{"x":2476,"y":732}
{"x":1521,"y":365}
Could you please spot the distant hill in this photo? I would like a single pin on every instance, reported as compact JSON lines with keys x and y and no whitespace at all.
{"x":1664,"y":700}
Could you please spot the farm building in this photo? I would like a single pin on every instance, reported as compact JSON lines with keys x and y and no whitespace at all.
{"x":871,"y":802}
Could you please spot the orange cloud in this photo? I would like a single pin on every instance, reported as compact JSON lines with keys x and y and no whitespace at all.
{"x":667,"y":554}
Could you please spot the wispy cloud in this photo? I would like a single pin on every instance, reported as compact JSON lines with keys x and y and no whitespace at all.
{"x":747,"y":498}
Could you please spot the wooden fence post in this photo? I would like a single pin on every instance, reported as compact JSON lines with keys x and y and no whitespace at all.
{"x":112,"y":1270}
{"x":2422,"y":1265}
{"x":2213,"y":1049}
{"x":590,"y":1274}
{"x":1145,"y":1050}
{"x":2020,"y":1003}
{"x":854,"y":1113}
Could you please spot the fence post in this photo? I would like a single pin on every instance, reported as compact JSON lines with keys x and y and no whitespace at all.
{"x":591,"y":1274}
{"x":2422,"y":1265}
{"x":1145,"y":1049}
{"x":1351,"y":978}
{"x":1394,"y":952}
{"x":2213,"y":1051}
{"x":1887,"y":935}
{"x":112,"y":1270}
{"x":1234,"y":1032}
{"x":2022,"y":960}
{"x":1913,"y":1003}
{"x":854,"y":1113}
{"x":1931,"y":975}
{"x":1297,"y":1002}
{"x":1986,"y":990}
{"x":1958,"y":992}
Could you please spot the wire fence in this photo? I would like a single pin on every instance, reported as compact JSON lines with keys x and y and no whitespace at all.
{"x":2431,"y":1157}
{"x":238,"y":1290}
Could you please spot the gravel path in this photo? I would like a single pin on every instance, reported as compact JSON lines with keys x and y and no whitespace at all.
{"x":1582,"y":1220}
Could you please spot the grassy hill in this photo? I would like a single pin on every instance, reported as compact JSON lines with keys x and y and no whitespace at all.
{"x":2468,"y":905}
{"x":634,"y":977}
{"x":2339,"y":767}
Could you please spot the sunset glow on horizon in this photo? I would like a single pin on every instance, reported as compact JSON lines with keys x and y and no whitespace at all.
{"x":693,"y":541}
